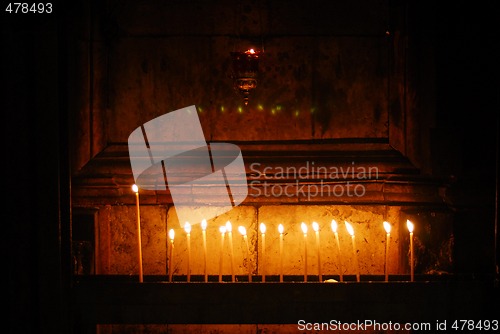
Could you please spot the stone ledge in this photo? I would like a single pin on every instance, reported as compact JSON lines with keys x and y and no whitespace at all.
{"x":108,"y":301}
{"x":310,"y":172}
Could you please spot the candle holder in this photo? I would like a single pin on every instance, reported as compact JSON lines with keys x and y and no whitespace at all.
{"x":229,"y":231}
{"x":135,"y":189}
{"x":243,"y":232}
{"x":262,"y":228}
{"x":204,"y":233}
{"x":281,"y":229}
{"x":222,"y":230}
{"x":171,"y":235}
{"x":334,"y":229}
{"x":304,"y":230}
{"x":187,"y":228}
{"x":350,"y":230}
{"x":318,"y":251}
{"x":245,"y":69}
{"x":387,"y":227}
{"x":410,"y":226}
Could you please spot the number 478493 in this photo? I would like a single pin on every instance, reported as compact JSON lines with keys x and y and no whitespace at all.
{"x":26,"y":8}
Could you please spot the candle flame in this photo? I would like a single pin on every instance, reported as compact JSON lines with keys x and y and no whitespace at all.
{"x":135,"y":188}
{"x":222,"y":229}
{"x":409,"y":224}
{"x":315,"y":226}
{"x":304,"y":227}
{"x":229,"y":227}
{"x":171,"y":234}
{"x":387,"y":227}
{"x":204,"y":224}
{"x":349,"y":228}
{"x":334,"y":226}
{"x":251,"y":51}
{"x":242,"y":230}
{"x":262,"y":228}
{"x":281,"y":229}
{"x":187,"y":227}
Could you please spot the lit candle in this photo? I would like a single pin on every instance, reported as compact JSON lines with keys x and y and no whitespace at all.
{"x":410,"y":226}
{"x":315,"y":227}
{"x":334,"y":229}
{"x":281,"y":229}
{"x":204,"y":232}
{"x":222,"y":230}
{"x":171,"y":235}
{"x":187,"y":228}
{"x":387,"y":228}
{"x":139,"y":247}
{"x":263,"y":233}
{"x":355,"y":254}
{"x":304,"y":230}
{"x":243,"y":232}
{"x":229,"y":230}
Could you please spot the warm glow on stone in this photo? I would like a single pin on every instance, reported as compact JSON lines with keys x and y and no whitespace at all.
{"x":303,"y":226}
{"x":187,"y":227}
{"x":387,"y":227}
{"x":334,"y":226}
{"x":349,"y":228}
{"x":262,"y":228}
{"x":409,"y":224}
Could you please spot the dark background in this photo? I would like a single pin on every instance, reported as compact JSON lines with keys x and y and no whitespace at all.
{"x":36,"y":136}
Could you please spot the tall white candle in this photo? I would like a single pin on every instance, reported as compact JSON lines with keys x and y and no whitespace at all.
{"x":187,"y":228}
{"x":263,"y":260}
{"x":315,"y":227}
{"x":222,"y":230}
{"x":229,"y":230}
{"x":243,"y":232}
{"x":281,"y":229}
{"x":171,"y":235}
{"x":304,"y":230}
{"x":334,"y":229}
{"x":354,"y":252}
{"x":387,"y":227}
{"x":204,"y":232}
{"x":410,"y":226}
{"x":135,"y":188}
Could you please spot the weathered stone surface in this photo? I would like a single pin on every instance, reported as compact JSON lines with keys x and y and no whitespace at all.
{"x":433,"y":239}
{"x":118,"y":240}
{"x":369,"y":239}
{"x":239,"y":216}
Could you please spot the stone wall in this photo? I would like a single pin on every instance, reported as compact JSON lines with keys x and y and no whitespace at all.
{"x":117,"y":241}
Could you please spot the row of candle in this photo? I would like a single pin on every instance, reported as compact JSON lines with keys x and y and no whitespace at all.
{"x":228,"y":229}
{"x":315,"y":226}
